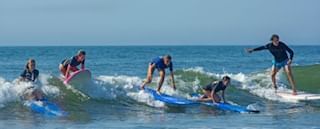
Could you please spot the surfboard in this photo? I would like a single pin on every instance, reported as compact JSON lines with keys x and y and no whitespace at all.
{"x":45,"y":107}
{"x":184,"y":102}
{"x":229,"y":107}
{"x":169,"y":99}
{"x":300,"y":97}
{"x":78,"y":77}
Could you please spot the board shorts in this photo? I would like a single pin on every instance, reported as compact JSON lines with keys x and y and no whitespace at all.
{"x":280,"y":65}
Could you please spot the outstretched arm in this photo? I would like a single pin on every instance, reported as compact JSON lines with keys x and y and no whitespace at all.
{"x":250,"y":50}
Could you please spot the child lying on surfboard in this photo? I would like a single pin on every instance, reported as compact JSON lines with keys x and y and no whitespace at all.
{"x":70,"y":65}
{"x":30,"y":74}
{"x":211,"y":90}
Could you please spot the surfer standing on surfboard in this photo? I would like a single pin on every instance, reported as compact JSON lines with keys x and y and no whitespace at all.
{"x":70,"y":65}
{"x":279,"y":50}
{"x":161,"y":64}
{"x":211,"y":90}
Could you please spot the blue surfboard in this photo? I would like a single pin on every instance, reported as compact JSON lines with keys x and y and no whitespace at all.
{"x":169,"y":99}
{"x":45,"y":107}
{"x":183,"y":101}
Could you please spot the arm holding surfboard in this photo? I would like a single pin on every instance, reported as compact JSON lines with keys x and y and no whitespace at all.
{"x":70,"y":65}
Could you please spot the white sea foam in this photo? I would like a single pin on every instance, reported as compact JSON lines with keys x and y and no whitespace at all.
{"x":12,"y":91}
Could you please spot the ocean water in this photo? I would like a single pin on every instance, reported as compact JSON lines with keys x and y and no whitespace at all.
{"x":112,"y":101}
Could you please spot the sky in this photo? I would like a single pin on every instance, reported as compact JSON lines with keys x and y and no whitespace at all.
{"x":158,"y":22}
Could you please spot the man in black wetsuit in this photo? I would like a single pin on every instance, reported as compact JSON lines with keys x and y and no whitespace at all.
{"x":279,"y":50}
{"x":211,"y":90}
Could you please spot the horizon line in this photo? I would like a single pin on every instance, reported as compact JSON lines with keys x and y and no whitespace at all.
{"x":94,"y":45}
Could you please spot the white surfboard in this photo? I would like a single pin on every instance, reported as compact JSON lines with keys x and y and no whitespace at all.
{"x":80,"y":82}
{"x":79,"y":77}
{"x":301,"y":96}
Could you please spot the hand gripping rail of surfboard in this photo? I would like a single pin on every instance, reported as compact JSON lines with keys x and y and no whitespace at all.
{"x":78,"y":77}
{"x":182,"y":101}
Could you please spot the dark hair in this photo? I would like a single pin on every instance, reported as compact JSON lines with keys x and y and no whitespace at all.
{"x":168,"y":57}
{"x":27,"y":65}
{"x":226,"y":78}
{"x":274,"y":36}
{"x":81,"y":52}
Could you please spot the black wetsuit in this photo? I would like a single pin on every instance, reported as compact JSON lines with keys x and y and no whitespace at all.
{"x":217,"y":86}
{"x":279,"y":52}
{"x":30,"y":76}
{"x":72,"y":61}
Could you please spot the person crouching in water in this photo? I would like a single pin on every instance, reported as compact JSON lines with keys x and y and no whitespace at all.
{"x":70,"y":65}
{"x":211,"y":90}
{"x":30,"y":74}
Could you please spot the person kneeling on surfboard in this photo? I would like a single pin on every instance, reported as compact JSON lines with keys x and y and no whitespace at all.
{"x":211,"y":90}
{"x":71,"y":64}
{"x":30,"y":74}
{"x":279,"y":50}
{"x":160,"y":63}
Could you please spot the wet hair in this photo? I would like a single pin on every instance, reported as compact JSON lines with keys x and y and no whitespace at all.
{"x":226,"y":78}
{"x":274,"y":36}
{"x":81,"y":52}
{"x":30,"y":60}
{"x":167,"y":57}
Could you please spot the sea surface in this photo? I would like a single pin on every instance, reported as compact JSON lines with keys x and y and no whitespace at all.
{"x":113,"y":101}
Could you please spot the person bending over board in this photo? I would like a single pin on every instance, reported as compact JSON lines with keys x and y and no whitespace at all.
{"x":159,"y":63}
{"x":211,"y":90}
{"x":70,"y":65}
{"x":279,"y":50}
{"x":30,"y":74}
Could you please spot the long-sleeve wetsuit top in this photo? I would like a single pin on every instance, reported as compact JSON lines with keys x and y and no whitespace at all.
{"x":279,"y":52}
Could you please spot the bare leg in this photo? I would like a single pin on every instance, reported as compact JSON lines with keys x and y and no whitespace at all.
{"x":274,"y":72}
{"x":290,"y":78}
{"x":216,"y":98}
{"x":206,"y":97}
{"x":162,"y":74}
{"x":149,"y":77}
{"x":62,"y":70}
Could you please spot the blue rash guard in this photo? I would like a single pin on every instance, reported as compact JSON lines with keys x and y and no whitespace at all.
{"x":30,"y":76}
{"x":72,"y":61}
{"x":158,"y":61}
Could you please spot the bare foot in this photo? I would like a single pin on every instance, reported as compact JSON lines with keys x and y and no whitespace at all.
{"x":158,"y":92}
{"x":294,"y":92}
{"x":141,"y":87}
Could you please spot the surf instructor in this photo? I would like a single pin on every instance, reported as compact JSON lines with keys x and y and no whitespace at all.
{"x":161,"y":64}
{"x":70,"y":65}
{"x":279,"y":51}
